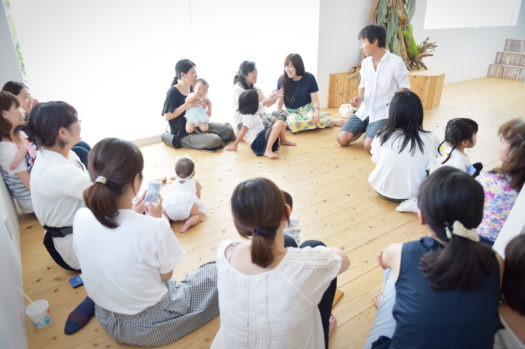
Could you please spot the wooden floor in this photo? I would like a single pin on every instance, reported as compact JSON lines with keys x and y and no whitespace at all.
{"x":332,"y":199}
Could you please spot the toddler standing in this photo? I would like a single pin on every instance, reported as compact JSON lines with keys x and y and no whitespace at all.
{"x":183,"y":201}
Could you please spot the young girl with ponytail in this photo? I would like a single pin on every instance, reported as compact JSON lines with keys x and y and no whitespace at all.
{"x":272,"y":296}
{"x":441,"y":291}
{"x":127,"y":258}
{"x":460,"y":134}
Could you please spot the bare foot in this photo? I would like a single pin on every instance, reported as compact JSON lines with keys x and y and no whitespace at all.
{"x":377,"y":299}
{"x":338,"y":122}
{"x":271,"y":155}
{"x":332,"y":321}
{"x":287,"y":142}
{"x":185,"y":227}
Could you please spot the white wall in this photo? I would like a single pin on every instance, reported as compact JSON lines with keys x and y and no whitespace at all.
{"x":465,"y":53}
{"x":9,"y":69}
{"x":12,"y":322}
{"x":339,"y":48}
{"x":461,"y":53}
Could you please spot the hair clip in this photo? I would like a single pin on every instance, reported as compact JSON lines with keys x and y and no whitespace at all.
{"x":459,"y":229}
{"x":260,"y":231}
{"x":101,"y":179}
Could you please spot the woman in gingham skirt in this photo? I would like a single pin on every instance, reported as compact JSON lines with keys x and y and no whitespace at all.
{"x":127,"y":258}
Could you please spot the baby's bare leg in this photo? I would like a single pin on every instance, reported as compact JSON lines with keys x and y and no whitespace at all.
{"x":190,"y":127}
{"x":203,"y":126}
{"x":195,"y":217}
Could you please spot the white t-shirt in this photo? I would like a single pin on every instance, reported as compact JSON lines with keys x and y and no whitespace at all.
{"x":17,"y":189}
{"x":236,"y":92}
{"x":121,"y":267}
{"x":277,"y":308}
{"x":57,"y":185}
{"x":254,"y":124}
{"x":380,"y":85}
{"x":398,"y":175}
{"x":458,"y":159}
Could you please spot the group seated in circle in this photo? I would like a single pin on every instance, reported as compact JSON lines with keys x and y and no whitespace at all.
{"x":450,"y":280}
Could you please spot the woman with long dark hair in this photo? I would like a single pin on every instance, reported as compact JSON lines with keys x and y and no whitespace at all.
{"x":403,"y":151}
{"x":175,"y":107}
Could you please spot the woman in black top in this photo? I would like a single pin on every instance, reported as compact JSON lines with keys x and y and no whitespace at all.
{"x":175,"y":107}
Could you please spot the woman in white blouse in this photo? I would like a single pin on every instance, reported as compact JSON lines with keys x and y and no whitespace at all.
{"x":271,"y":296}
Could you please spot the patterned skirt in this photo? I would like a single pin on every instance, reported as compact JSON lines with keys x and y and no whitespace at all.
{"x":298,"y":119}
{"x":187,"y":305}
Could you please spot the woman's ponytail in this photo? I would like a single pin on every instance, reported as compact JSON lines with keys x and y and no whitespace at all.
{"x":113,"y":166}
{"x":258,"y":208}
{"x":103,"y":203}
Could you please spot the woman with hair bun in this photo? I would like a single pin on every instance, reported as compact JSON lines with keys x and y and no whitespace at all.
{"x":129,"y":276}
{"x":273,"y":294}
{"x":58,"y":177}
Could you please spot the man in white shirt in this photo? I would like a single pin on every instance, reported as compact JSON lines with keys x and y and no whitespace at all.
{"x":382,"y":75}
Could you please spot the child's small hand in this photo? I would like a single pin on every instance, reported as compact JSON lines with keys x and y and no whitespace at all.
{"x":155,"y":209}
{"x":232,"y":148}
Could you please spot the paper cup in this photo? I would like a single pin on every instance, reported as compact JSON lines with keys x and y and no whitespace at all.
{"x":38,"y":313}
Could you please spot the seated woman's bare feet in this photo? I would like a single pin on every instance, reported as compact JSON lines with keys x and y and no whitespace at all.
{"x":271,"y":155}
{"x":287,"y":142}
{"x":377,"y":299}
{"x":333,"y":322}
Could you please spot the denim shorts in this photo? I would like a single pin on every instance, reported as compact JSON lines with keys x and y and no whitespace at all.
{"x":356,"y":126}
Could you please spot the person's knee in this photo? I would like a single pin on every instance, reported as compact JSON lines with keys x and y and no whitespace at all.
{"x":312,"y":243}
{"x":167,"y":138}
{"x":367,"y":144}
{"x":344,"y":137}
{"x":214,"y":141}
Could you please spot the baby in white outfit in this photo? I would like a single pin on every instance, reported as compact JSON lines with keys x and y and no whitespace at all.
{"x":183,"y":201}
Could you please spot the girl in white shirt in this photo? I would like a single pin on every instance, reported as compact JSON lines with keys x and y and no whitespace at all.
{"x":129,"y":276}
{"x":245,"y":79}
{"x":403,"y":151}
{"x":263,"y":141}
{"x":271,"y":296}
{"x":460,"y":134}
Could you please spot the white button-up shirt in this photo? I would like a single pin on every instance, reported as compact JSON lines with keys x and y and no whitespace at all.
{"x":380,"y":85}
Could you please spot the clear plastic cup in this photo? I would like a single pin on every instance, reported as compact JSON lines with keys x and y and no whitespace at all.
{"x":38,"y":313}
